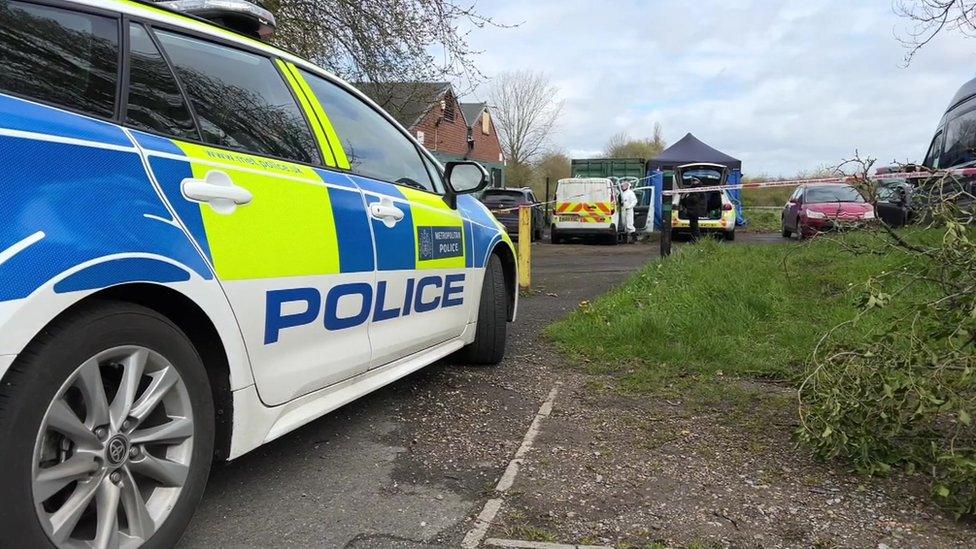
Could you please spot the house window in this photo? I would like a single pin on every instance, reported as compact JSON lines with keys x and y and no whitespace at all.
{"x":485,"y":123}
{"x":448,"y":105}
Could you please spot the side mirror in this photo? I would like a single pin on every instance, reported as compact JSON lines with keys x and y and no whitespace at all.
{"x":463,"y":178}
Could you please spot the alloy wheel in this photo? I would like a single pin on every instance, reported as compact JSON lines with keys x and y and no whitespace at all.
{"x":113,"y":450}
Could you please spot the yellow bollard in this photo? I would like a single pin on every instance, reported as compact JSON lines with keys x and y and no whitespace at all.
{"x":525,"y":247}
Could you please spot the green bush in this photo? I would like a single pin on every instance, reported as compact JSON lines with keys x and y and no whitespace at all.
{"x":905,"y":397}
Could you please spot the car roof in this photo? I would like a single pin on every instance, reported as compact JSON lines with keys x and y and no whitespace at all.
{"x":964,"y":92}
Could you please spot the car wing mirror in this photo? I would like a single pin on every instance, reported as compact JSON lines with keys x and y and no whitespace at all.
{"x":463,"y":178}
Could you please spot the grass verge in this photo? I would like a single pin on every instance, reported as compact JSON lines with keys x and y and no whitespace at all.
{"x":762,"y":220}
{"x":715,"y":311}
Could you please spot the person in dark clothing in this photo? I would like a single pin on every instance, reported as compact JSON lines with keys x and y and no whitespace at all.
{"x":694,"y":204}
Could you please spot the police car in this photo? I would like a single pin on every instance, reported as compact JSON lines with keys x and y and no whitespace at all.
{"x":206,"y":243}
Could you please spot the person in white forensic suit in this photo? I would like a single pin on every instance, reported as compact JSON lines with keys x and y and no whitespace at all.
{"x":628,"y":200}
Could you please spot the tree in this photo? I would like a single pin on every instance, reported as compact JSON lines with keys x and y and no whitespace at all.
{"x":554,"y":166}
{"x":525,"y":112}
{"x":381,"y":40}
{"x":519,"y":175}
{"x":930,"y":17}
{"x":621,"y":145}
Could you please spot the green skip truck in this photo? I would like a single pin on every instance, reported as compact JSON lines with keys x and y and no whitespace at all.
{"x":616,"y":168}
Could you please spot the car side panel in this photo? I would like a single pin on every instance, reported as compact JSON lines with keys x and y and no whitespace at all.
{"x":80,"y":215}
{"x":278,"y":259}
{"x":423,"y":293}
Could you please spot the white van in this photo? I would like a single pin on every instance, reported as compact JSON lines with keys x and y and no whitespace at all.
{"x":585,"y":207}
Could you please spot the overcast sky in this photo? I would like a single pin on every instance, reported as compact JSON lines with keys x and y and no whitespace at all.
{"x":784,"y":86}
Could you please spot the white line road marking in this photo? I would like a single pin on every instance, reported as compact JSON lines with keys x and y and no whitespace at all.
{"x":517,"y":543}
{"x":513,"y":467}
{"x":21,"y":246}
{"x":483,"y":522}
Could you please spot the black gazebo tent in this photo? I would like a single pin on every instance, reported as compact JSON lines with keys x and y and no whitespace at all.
{"x":688,"y":150}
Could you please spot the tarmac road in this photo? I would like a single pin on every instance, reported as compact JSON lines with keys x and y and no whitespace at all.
{"x":412,"y":464}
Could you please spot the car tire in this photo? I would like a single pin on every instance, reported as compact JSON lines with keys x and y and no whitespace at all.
{"x":66,"y":371}
{"x":491,"y":332}
{"x":554,"y":237}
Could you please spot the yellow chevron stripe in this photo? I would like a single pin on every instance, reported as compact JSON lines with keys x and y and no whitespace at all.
{"x":338,"y":151}
{"x":300,"y":93}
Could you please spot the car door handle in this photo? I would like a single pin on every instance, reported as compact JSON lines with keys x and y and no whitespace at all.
{"x":218,"y":190}
{"x":385,"y":211}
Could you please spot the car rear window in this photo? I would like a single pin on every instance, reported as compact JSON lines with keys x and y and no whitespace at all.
{"x":705,"y":175}
{"x":59,"y":56}
{"x":833,"y":193}
{"x":503,"y":199}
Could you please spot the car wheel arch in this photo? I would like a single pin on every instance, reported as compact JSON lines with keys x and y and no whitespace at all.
{"x":507,"y":257}
{"x":186,"y":314}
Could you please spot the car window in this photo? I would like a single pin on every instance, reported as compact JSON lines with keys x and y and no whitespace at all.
{"x":59,"y":56}
{"x":894,"y":192}
{"x":433,"y":171}
{"x":240,"y":99}
{"x":833,"y":193}
{"x":932,"y":157}
{"x":155,"y":102}
{"x":375,"y":147}
{"x":707,"y":176}
{"x":503,"y":198}
{"x":960,"y":140}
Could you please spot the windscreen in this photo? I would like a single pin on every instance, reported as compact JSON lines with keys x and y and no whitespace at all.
{"x":833,"y":193}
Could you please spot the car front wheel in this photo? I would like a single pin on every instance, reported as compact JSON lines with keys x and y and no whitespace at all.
{"x":489,"y":342}
{"x":107,"y":423}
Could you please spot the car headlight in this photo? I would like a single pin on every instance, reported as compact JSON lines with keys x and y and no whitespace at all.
{"x":816,"y":215}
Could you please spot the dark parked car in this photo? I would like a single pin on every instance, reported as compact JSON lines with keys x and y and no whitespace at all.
{"x":819,"y":208}
{"x":893,"y":202}
{"x":504,"y":203}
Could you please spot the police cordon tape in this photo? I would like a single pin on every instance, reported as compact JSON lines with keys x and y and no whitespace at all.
{"x":839,"y":180}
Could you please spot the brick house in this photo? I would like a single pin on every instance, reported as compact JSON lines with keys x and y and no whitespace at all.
{"x":448,"y":129}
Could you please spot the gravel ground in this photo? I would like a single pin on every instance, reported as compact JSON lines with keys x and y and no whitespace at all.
{"x":628,"y":471}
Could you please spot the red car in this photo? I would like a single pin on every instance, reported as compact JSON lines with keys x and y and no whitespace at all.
{"x":819,"y":208}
